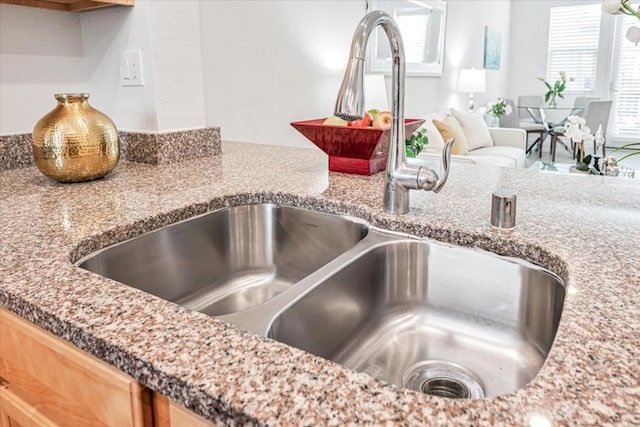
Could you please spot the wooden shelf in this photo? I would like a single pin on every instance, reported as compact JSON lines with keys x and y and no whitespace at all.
{"x":69,"y":5}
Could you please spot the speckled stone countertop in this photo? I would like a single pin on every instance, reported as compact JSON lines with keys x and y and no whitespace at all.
{"x":587,"y":229}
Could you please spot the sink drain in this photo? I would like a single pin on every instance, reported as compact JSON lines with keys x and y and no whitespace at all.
{"x":444,"y":379}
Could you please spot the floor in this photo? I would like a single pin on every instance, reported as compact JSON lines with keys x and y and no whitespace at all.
{"x":564,"y":156}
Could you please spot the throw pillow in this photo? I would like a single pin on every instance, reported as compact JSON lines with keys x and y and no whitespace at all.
{"x":450,"y":128}
{"x":475,"y":129}
{"x":436,"y":143}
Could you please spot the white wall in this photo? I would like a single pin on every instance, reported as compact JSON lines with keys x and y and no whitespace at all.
{"x":45,"y":52}
{"x":466,"y":20}
{"x":289,"y":66}
{"x":168,"y":34}
{"x":106,"y":34}
{"x":177,"y":64}
{"x":41,"y":53}
{"x":269,"y":63}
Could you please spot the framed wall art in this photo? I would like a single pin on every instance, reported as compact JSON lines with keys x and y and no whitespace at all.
{"x":492,"y":48}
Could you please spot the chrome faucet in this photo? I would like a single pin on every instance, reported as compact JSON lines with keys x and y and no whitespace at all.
{"x":400,"y":177}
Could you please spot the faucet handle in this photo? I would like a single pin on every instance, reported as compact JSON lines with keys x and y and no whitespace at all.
{"x":427,"y":178}
{"x":446,"y":161}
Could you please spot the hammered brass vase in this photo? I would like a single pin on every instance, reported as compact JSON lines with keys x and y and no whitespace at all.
{"x":75,"y":142}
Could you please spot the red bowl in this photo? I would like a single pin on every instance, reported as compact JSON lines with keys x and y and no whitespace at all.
{"x":361,"y":151}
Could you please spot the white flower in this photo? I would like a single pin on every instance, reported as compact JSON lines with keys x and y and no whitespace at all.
{"x":541,"y":78}
{"x":563,"y":76}
{"x":576,"y":120}
{"x":508,"y":110}
{"x":576,"y":130}
{"x":612,"y":7}
{"x":588,"y":137}
{"x":633,"y":34}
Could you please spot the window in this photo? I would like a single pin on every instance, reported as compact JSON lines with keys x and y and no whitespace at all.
{"x":422,"y":25}
{"x":574,"y":32}
{"x":625,"y":86}
{"x":413,"y":26}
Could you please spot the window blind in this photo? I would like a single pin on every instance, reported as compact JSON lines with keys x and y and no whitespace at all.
{"x":413,"y":27}
{"x":626,"y":84}
{"x":574,"y":32}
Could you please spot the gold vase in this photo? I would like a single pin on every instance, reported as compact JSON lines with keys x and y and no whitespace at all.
{"x":75,"y":142}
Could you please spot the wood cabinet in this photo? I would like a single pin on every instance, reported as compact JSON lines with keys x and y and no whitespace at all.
{"x":69,"y":5}
{"x":47,"y":382}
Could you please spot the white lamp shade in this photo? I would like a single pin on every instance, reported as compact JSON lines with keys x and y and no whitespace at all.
{"x":472,"y":80}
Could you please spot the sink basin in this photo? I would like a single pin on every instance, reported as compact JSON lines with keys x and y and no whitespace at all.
{"x":435,"y":318}
{"x":443,"y":320}
{"x":228,"y":260}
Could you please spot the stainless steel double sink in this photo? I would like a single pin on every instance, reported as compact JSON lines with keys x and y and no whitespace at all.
{"x":436,"y":318}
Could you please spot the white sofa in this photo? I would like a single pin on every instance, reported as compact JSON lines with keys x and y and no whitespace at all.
{"x":508,"y":149}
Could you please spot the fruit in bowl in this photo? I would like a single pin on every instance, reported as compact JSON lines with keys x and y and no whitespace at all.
{"x":372,"y":118}
{"x":335,"y":121}
{"x":382,"y":120}
{"x":356,"y":149}
{"x":364,"y":122}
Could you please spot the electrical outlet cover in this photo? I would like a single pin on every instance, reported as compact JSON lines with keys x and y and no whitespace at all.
{"x":131,"y":68}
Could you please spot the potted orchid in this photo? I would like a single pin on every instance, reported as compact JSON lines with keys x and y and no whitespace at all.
{"x":575,"y":128}
{"x":556,"y":89}
{"x":613,"y":166}
{"x":495,"y":110}
{"x":618,"y":7}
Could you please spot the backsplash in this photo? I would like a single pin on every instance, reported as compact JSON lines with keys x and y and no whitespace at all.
{"x":15,"y":151}
{"x":150,"y":148}
{"x":170,"y":147}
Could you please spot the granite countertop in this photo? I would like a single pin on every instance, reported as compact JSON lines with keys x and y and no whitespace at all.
{"x":586,"y":229}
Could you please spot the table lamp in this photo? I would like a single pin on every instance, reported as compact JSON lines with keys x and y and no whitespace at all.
{"x":472,"y":81}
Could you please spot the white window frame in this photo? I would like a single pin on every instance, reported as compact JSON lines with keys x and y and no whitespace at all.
{"x":623,"y":49}
{"x":380,"y":65}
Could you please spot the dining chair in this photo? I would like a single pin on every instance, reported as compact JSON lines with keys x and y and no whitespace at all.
{"x":579,"y":105}
{"x":581,"y":102}
{"x":532,"y":101}
{"x":513,"y":121}
{"x":596,"y":113}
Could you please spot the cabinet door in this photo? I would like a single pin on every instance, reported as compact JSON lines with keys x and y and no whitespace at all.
{"x":63,"y":384}
{"x":168,"y":414}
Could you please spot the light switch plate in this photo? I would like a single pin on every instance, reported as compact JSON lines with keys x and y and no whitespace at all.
{"x":131,"y":68}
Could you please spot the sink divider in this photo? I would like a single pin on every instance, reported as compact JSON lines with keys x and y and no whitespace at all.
{"x":259,"y":319}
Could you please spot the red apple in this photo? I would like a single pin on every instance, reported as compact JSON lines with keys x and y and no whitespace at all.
{"x":362,"y":123}
{"x":382,"y":120}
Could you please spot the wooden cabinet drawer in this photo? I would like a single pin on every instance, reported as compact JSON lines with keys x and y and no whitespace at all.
{"x":16,"y":411}
{"x":63,"y":385}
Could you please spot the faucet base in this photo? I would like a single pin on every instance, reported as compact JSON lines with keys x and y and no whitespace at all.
{"x":396,"y":198}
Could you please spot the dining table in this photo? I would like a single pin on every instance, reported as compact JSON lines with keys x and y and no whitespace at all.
{"x":550,"y":117}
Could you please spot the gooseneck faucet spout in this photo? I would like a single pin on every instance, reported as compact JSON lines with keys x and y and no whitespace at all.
{"x":399,"y":176}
